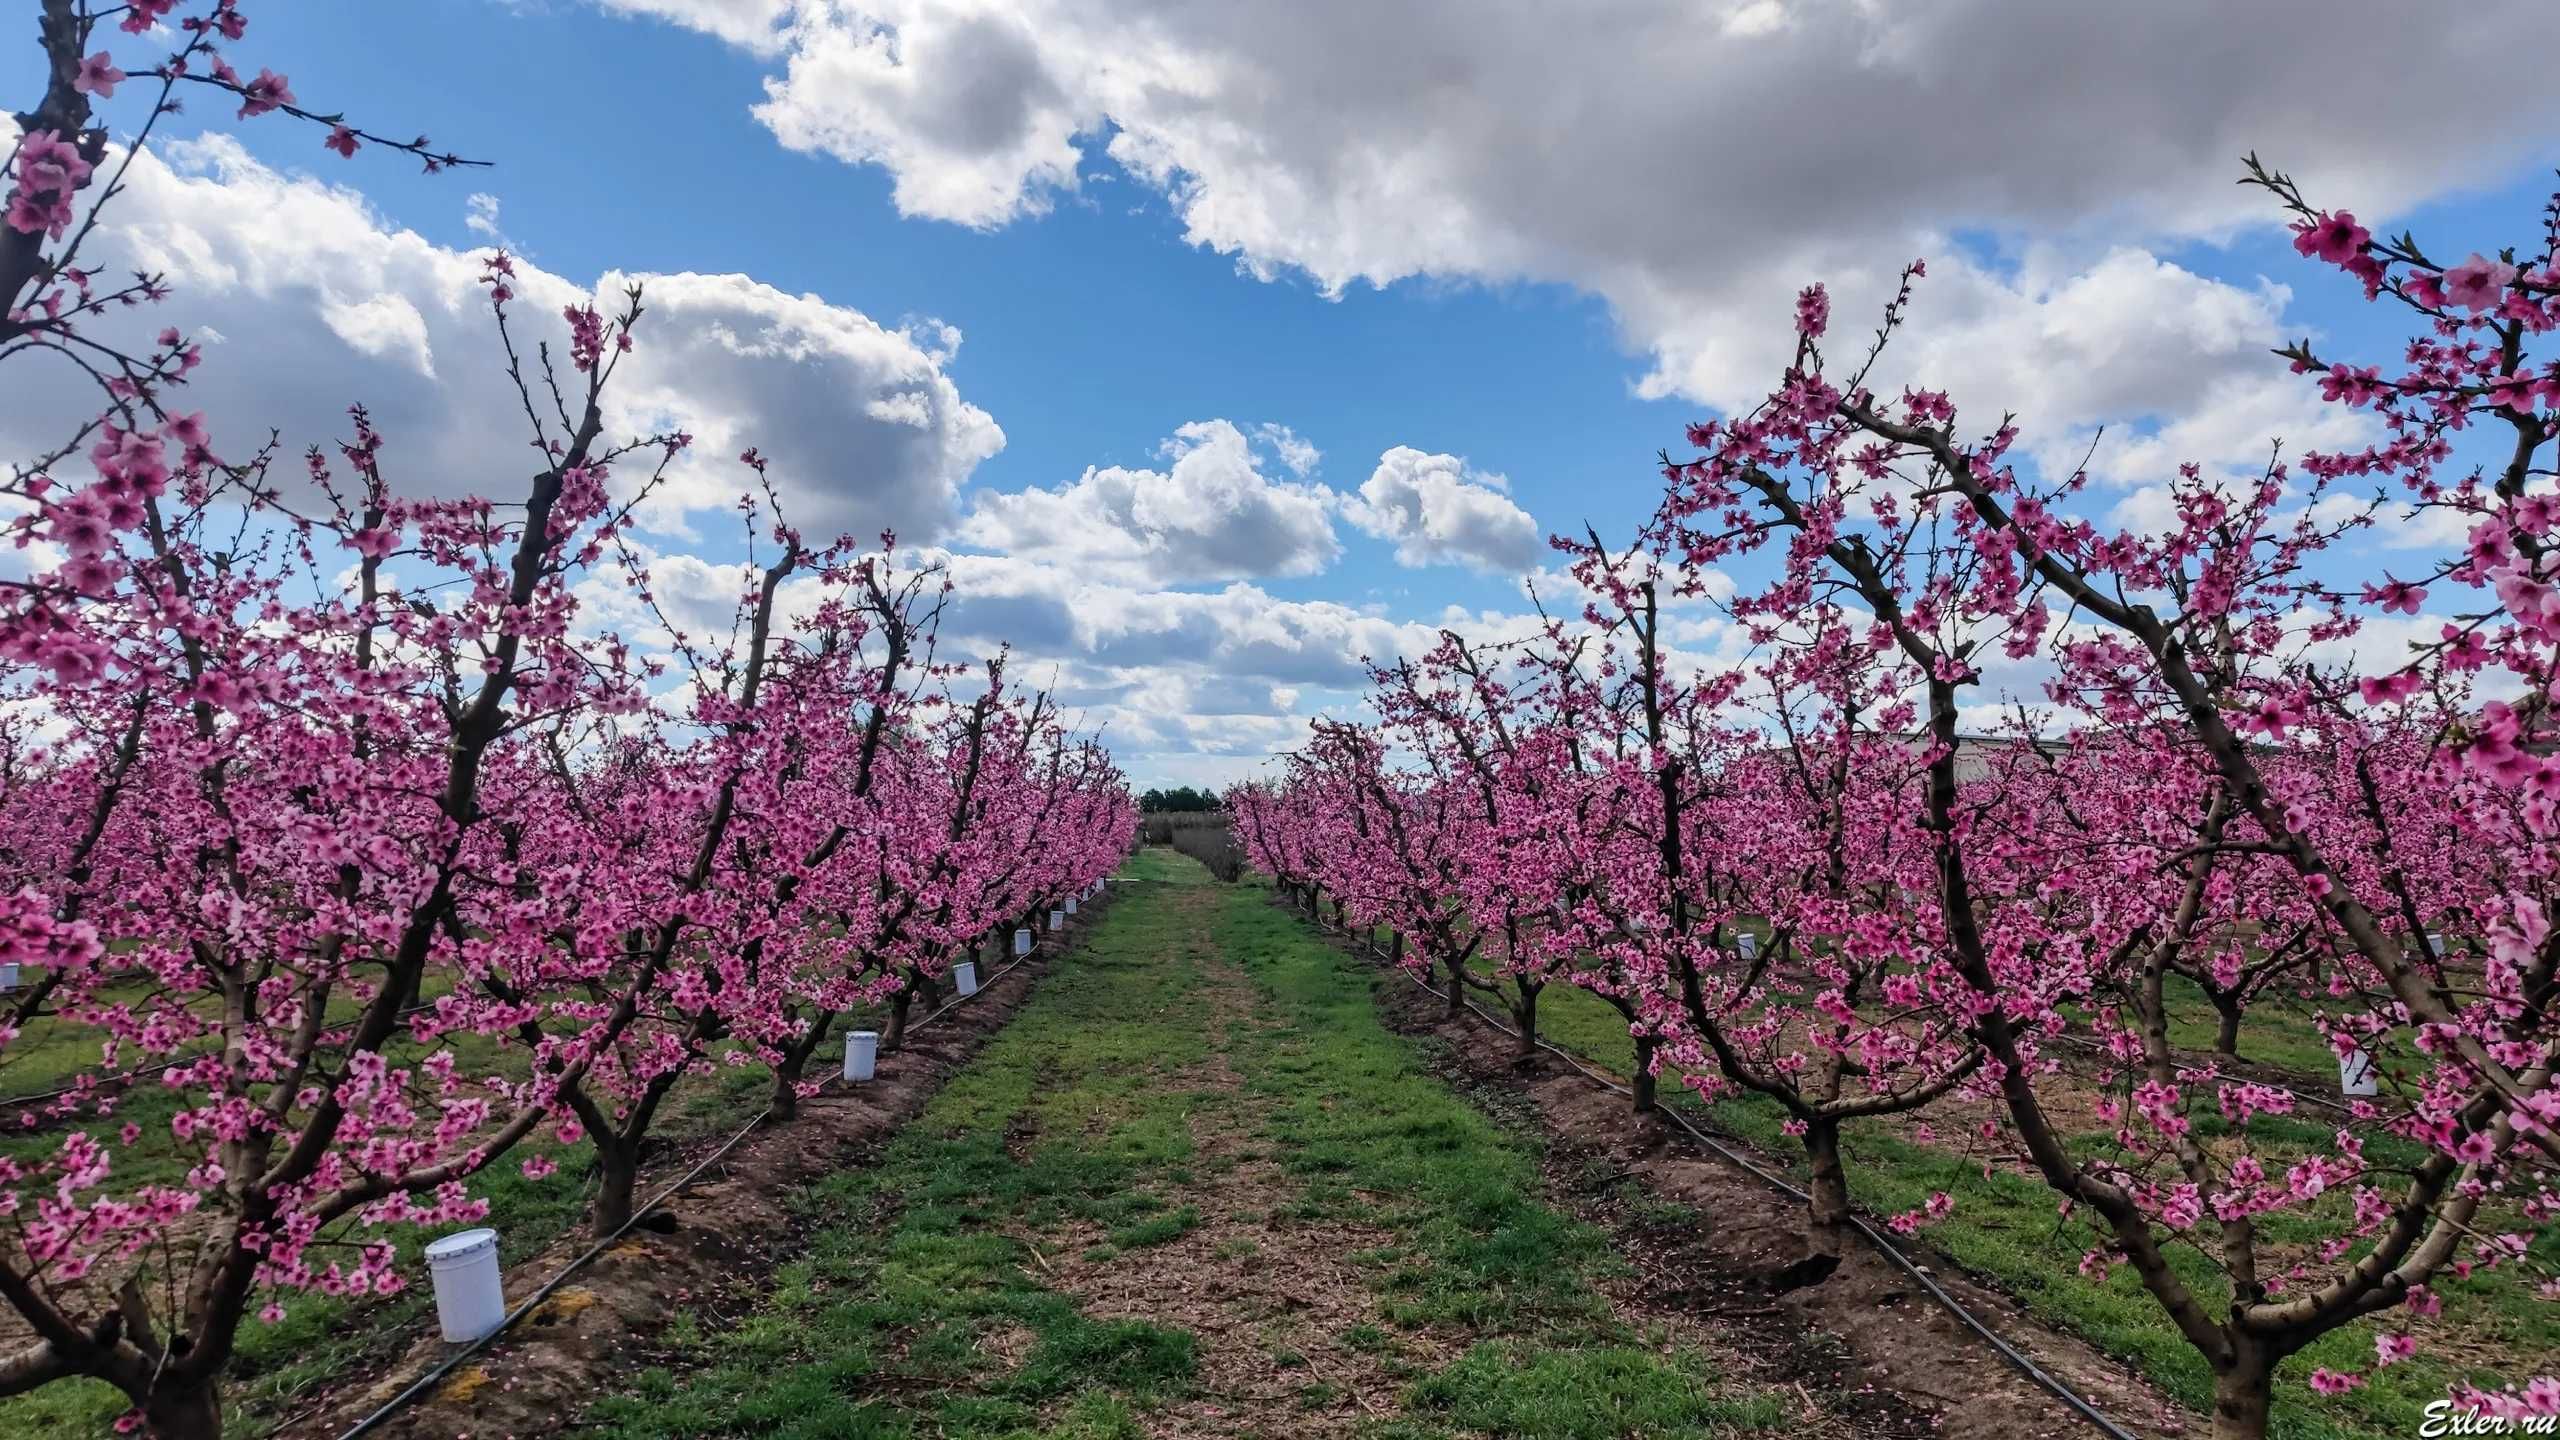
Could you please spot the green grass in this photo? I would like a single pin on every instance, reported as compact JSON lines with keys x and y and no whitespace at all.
{"x":908,"y":1275}
{"x":1159,"y":865}
{"x":1601,"y":1393}
{"x":2277,"y":1031}
{"x":1077,"y":1119}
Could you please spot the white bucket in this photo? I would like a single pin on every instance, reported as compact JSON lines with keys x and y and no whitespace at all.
{"x":964,"y":977}
{"x":2355,"y":1075}
{"x":1057,"y":920}
{"x":1747,"y":945}
{"x":861,"y":1055}
{"x":1021,"y":942}
{"x":8,"y":978}
{"x":1071,"y":905}
{"x":470,"y":1298}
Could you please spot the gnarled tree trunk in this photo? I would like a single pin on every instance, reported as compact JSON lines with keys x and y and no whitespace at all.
{"x":1827,"y":1222}
{"x":2242,"y":1392}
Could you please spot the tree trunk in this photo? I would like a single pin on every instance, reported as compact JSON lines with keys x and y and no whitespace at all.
{"x":1641,"y":1081}
{"x":1827,"y":1226}
{"x":896,"y":1034}
{"x":1395,"y":949}
{"x":1457,"y":991}
{"x":2226,"y":1035}
{"x":2241,"y":1392}
{"x":618,"y":1167}
{"x":1524,"y":1014}
{"x":183,"y":1410}
{"x":793,"y":1065}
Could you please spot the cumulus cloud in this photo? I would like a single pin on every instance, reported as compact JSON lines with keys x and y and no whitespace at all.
{"x":1194,"y":686}
{"x":1358,"y":144}
{"x":960,"y":104}
{"x":1438,"y":511}
{"x":862,"y":426}
{"x":1213,"y":513}
{"x":317,"y":302}
{"x":752,"y":24}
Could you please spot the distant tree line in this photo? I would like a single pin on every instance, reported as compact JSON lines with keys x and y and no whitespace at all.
{"x":1181,"y":801}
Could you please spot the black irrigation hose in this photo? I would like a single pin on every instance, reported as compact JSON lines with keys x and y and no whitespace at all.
{"x":427,"y":1382}
{"x":2017,"y":1360}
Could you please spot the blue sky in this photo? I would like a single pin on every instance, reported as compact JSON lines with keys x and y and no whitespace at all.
{"x":1480,"y":234}
{"x":1091,"y":332}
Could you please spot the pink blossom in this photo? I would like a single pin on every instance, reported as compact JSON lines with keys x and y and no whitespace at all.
{"x":2396,"y":595}
{"x":98,"y":76}
{"x":2513,"y":392}
{"x":268,"y":92}
{"x":2387,"y":689}
{"x":2478,"y":283}
{"x":2335,"y":238}
{"x":1813,"y":312}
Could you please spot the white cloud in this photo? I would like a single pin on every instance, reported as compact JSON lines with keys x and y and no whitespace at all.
{"x":862,"y":427}
{"x":1195,"y":686}
{"x":752,"y":24}
{"x":481,"y":218}
{"x":1294,"y":450}
{"x":327,"y":304}
{"x":1440,"y":512}
{"x":1211,"y":514}
{"x":1359,"y":144}
{"x":959,"y":104}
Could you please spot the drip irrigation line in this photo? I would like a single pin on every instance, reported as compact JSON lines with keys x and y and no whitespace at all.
{"x":427,"y":1382}
{"x":2017,"y":1360}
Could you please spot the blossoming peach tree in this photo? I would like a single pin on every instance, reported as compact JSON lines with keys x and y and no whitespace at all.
{"x":310,"y":779}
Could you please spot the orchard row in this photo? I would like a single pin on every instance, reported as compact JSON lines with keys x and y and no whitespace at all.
{"x":1960,"y":785}
{"x":378,"y":835}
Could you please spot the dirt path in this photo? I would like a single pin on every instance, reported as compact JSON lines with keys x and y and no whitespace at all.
{"x":1273,"y":1303}
{"x":1200,"y":1190}
{"x":1270,"y":1299}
